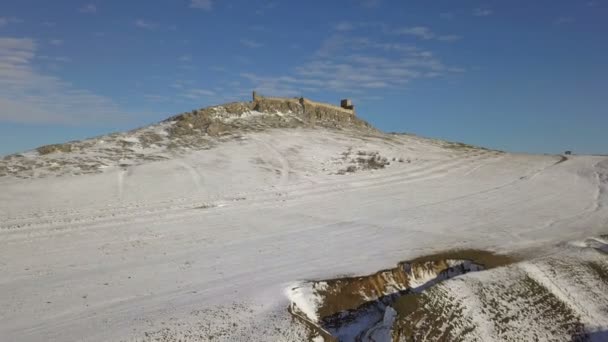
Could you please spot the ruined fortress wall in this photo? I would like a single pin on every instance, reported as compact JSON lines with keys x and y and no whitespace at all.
{"x":328,"y":106}
{"x":284,"y":103}
{"x":277,"y":105}
{"x":314,"y":113}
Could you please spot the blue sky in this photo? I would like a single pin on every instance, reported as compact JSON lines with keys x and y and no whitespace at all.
{"x":528,"y":76}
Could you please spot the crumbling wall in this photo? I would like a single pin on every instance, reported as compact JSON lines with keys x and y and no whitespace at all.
{"x":327,"y":106}
{"x":313,"y":113}
{"x":277,"y":105}
{"x":284,"y":112}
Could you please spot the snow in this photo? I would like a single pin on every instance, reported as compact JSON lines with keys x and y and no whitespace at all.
{"x":131,"y":250}
{"x":381,"y":332}
{"x":305,"y":297}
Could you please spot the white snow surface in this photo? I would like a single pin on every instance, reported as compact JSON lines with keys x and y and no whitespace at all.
{"x":306,"y":299}
{"x":207,"y":243}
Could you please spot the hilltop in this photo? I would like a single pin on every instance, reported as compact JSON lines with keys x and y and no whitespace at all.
{"x":284,"y":219}
{"x":196,"y":130}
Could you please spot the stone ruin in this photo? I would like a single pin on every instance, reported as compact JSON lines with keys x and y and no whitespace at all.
{"x":346,"y":105}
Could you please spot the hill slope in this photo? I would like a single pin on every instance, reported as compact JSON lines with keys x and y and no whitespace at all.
{"x":210,"y":225}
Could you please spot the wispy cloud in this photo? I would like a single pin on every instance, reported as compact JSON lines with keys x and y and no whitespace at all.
{"x":88,"y":8}
{"x":145,"y":24}
{"x":425,"y":33}
{"x":564,"y":20}
{"x":482,"y":12}
{"x":370,"y":3}
{"x":53,"y":59}
{"x":266,"y":7}
{"x":156,"y":98}
{"x":449,"y":38}
{"x":206,"y":5}
{"x":197,"y":93}
{"x":182,"y":84}
{"x":29,"y":96}
{"x":354,"y":65}
{"x":344,"y":26}
{"x":446,"y":15}
{"x":56,"y":42}
{"x":9,"y":20}
{"x":421,"y":32}
{"x":251,"y":43}
{"x":185,"y":58}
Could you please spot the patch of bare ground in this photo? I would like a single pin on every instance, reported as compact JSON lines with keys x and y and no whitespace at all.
{"x":485,"y":258}
{"x":503,"y":306}
{"x":433,"y":315}
{"x":509,"y":305}
{"x":364,"y":160}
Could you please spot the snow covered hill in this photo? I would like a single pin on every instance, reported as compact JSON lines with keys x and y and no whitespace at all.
{"x":224,"y":224}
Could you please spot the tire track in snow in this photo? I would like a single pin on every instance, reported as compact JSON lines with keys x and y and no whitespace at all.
{"x":194,"y":175}
{"x":285,"y":168}
{"x":425,"y":171}
{"x":597,"y":204}
{"x":439,"y":168}
{"x":122,"y":214}
{"x":120,"y":182}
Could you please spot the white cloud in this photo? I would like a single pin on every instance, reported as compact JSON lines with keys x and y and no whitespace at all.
{"x":344,"y":26}
{"x":446,"y":15}
{"x":449,"y":38}
{"x":354,"y":65}
{"x":369,"y":3}
{"x":482,"y":12}
{"x":206,"y":5}
{"x":421,"y":32}
{"x":251,"y":43}
{"x":196,"y":93}
{"x":53,"y":59}
{"x":185,"y":58}
{"x":29,"y":96}
{"x":9,"y":20}
{"x":56,"y":42}
{"x":145,"y":24}
{"x":156,"y":98}
{"x":264,"y":8}
{"x":89,"y":8}
{"x":424,"y":33}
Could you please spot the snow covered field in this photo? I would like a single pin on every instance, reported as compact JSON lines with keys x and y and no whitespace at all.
{"x":205,"y":245}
